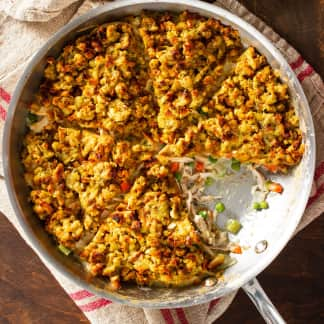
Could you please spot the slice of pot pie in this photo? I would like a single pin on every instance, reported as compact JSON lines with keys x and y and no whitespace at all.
{"x":250,"y":118}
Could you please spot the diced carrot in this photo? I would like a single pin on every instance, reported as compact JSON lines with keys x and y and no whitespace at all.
{"x":275,"y":187}
{"x":199,"y":167}
{"x":272,"y":168}
{"x":236,"y":249}
{"x":175,"y":167}
{"x":125,"y":186}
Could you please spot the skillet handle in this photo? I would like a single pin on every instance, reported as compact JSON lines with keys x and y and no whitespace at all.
{"x":263,"y":304}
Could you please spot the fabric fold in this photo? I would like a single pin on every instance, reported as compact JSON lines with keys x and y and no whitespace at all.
{"x":35,"y":10}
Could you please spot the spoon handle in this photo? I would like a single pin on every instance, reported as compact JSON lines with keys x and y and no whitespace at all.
{"x":263,"y":304}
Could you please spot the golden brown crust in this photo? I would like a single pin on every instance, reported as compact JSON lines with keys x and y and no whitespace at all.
{"x":108,"y":104}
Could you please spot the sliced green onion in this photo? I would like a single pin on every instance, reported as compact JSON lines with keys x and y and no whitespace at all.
{"x":64,"y":249}
{"x":209,"y":181}
{"x":264,"y":205}
{"x":178,"y":176}
{"x":32,"y":118}
{"x":203,"y":213}
{"x":233,"y":226}
{"x":212,"y":159}
{"x":256,"y":206}
{"x":235,"y":165}
{"x":220,"y":207}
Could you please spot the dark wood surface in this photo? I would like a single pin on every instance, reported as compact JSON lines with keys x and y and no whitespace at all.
{"x":300,"y":22}
{"x":28,"y":292}
{"x":294,"y":281}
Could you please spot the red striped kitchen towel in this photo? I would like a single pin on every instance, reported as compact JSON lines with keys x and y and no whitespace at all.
{"x":20,"y":40}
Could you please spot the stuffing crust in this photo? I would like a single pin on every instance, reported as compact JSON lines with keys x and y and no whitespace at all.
{"x":112,"y":109}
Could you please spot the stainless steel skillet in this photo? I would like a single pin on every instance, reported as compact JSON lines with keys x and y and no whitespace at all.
{"x":275,"y":225}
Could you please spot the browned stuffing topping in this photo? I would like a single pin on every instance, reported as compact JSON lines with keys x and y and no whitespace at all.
{"x":111,"y":111}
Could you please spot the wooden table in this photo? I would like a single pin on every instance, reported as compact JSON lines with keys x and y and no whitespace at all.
{"x":294,"y":281}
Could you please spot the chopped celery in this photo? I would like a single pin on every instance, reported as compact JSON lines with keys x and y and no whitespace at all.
{"x":178,"y":176}
{"x":209,"y":181}
{"x":212,"y":159}
{"x":233,"y":226}
{"x":235,"y":165}
{"x":191,"y":164}
{"x":32,"y":118}
{"x":64,"y":249}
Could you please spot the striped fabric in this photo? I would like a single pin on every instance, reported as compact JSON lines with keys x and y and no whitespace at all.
{"x":100,"y":310}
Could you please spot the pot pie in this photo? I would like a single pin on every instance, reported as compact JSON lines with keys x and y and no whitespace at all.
{"x":130,"y":122}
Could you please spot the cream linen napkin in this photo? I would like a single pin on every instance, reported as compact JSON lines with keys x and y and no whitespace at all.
{"x":34,"y":10}
{"x":24,"y":26}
